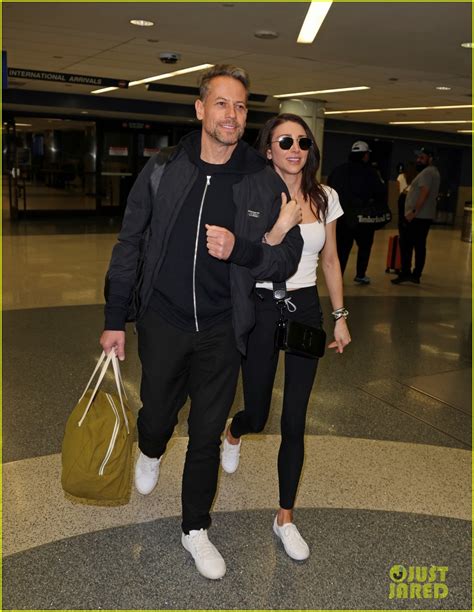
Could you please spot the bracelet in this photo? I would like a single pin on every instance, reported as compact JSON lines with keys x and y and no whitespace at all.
{"x":340,"y":313}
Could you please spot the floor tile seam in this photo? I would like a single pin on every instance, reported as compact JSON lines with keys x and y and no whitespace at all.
{"x":216,"y":513}
{"x":441,"y":401}
{"x":469,"y":446}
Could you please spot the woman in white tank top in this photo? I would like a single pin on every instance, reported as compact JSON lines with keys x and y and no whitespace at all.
{"x":289,"y":145}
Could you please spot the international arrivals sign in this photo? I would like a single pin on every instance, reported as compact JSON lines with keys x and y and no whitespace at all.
{"x":64,"y":77}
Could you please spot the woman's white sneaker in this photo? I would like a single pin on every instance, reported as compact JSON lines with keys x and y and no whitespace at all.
{"x":230,"y":456}
{"x":147,"y":470}
{"x":295,"y":546}
{"x":208,"y":559}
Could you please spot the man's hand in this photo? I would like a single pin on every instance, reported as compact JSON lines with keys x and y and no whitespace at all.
{"x":113,"y":340}
{"x":409,"y":216}
{"x":220,"y":241}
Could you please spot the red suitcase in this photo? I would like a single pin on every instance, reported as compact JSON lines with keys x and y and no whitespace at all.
{"x":394,"y":262}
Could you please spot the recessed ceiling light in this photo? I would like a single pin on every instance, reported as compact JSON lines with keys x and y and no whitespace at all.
{"x":266,"y":34}
{"x":467,"y":45}
{"x":464,"y":131}
{"x":142,"y":23}
{"x":443,"y":88}
{"x":321,"y":91}
{"x":23,"y":124}
{"x":84,"y":112}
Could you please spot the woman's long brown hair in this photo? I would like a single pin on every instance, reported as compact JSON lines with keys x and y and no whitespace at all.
{"x":310,"y":187}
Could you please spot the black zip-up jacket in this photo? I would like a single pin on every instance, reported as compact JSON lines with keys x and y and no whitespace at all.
{"x":257,"y":199}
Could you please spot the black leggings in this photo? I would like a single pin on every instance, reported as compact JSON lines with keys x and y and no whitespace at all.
{"x":258,"y":375}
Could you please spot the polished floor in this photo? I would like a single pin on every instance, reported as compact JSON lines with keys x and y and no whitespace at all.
{"x":387,"y":474}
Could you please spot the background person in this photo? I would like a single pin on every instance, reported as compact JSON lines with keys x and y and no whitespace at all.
{"x":420,"y":210}
{"x":290,"y":147}
{"x":356,"y":182}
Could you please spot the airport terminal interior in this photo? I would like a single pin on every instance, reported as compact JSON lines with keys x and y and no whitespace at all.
{"x":387,"y":473}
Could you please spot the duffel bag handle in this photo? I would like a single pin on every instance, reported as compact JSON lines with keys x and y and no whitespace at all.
{"x":111,"y":357}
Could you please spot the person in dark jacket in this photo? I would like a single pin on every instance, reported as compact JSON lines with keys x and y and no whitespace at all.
{"x":357,"y":183}
{"x":215,"y":201}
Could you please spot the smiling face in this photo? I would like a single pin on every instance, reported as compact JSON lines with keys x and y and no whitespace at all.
{"x":223,"y":111}
{"x":293,"y":160}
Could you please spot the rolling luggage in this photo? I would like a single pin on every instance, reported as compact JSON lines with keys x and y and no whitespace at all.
{"x":394,"y":262}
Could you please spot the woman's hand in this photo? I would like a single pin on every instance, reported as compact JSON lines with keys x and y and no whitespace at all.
{"x":342,"y":336}
{"x":290,"y":214}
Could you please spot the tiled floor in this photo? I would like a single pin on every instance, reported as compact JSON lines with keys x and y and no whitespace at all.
{"x":386,"y":478}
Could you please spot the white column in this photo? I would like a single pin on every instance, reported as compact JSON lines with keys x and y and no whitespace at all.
{"x":312,"y":111}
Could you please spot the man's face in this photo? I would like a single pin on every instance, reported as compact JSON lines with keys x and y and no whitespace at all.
{"x":223,"y":112}
{"x":422,"y":160}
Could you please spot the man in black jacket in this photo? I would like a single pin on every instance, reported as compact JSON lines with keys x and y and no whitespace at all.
{"x":356,"y":183}
{"x":215,"y":201}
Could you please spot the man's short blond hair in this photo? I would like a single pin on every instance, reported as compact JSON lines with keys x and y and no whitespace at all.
{"x":223,"y":70}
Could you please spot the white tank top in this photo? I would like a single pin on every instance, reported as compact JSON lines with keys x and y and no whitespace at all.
{"x":314,"y":237}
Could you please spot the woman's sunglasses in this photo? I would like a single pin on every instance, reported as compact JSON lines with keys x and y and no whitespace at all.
{"x":286,"y":142}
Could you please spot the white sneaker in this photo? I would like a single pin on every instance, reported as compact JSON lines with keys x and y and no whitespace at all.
{"x":147,"y":470}
{"x":295,"y":546}
{"x":208,"y":559}
{"x":230,"y":456}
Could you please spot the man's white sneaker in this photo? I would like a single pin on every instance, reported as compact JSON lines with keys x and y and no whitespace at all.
{"x":230,"y":456}
{"x":147,"y":470}
{"x":295,"y":546}
{"x":208,"y":559}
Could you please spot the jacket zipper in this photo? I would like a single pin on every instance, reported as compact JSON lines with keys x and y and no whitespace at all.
{"x":113,"y":438}
{"x":208,"y":182}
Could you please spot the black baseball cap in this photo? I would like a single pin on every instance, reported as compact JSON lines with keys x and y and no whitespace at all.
{"x":425,"y":151}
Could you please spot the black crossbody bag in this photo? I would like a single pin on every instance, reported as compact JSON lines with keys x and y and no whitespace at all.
{"x":295,"y":337}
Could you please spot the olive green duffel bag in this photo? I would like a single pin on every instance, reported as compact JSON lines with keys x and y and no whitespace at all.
{"x":97,"y":444}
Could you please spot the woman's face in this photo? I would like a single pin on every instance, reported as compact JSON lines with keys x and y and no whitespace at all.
{"x":292,"y":160}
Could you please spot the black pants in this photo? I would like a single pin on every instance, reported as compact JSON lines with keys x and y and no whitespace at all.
{"x":363,"y":234}
{"x":413,"y":236}
{"x":175,"y":364}
{"x":258,"y":375}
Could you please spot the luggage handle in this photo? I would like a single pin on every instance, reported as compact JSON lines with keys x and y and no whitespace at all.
{"x":118,"y":381}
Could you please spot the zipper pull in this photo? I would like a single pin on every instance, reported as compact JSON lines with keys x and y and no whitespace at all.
{"x":208,"y":182}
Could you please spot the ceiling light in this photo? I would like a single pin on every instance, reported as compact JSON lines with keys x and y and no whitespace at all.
{"x":321,"y":91}
{"x":142,"y":23}
{"x":464,"y":131}
{"x":23,"y":124}
{"x":103,"y":90}
{"x":159,"y":77}
{"x":84,"y":112}
{"x":401,"y":108}
{"x":467,"y":45}
{"x":266,"y":34}
{"x":423,"y":122}
{"x":313,"y":21}
{"x":443,"y":88}
{"x":168,"y":75}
